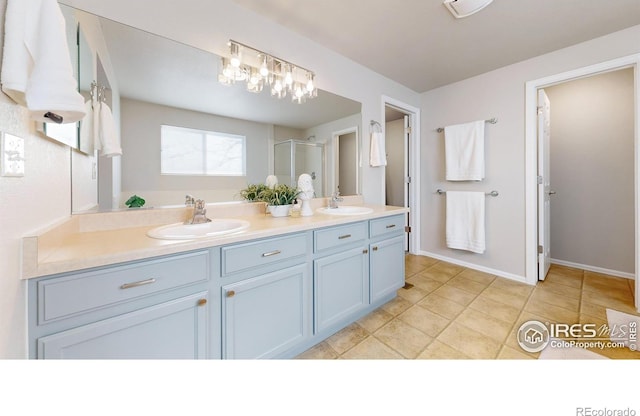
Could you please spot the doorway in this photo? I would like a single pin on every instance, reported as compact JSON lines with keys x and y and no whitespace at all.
{"x":346,"y":176}
{"x":401,"y":132}
{"x":540,"y":190}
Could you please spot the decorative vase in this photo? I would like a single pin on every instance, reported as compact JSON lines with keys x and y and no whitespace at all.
{"x":305,"y":209}
{"x":279,"y":210}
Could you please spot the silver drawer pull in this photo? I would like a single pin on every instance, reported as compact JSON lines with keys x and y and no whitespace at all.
{"x":342,"y":237}
{"x":391,"y":226}
{"x":271,"y":253}
{"x":136,"y":284}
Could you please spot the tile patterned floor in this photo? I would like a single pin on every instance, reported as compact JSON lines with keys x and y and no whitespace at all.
{"x":456,"y":313}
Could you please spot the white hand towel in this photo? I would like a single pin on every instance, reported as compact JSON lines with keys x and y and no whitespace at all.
{"x":36,"y":67}
{"x":465,"y":221}
{"x":464,"y":151}
{"x":89,"y":128}
{"x":109,"y":137}
{"x":377,"y":154}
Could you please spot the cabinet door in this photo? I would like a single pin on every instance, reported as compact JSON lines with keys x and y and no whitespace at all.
{"x":174,"y":329}
{"x":340,"y":286}
{"x":387,"y":267}
{"x":266,"y":315}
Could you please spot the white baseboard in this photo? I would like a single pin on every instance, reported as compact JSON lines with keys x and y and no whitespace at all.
{"x":594,"y":269}
{"x":484,"y":269}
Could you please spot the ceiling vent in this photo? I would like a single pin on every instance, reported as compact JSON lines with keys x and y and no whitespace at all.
{"x":464,"y":8}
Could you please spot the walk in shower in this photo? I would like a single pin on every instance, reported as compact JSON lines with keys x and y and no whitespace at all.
{"x":294,"y":157}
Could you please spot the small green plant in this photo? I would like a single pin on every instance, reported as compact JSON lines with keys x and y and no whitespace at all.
{"x":253,"y":192}
{"x":280,"y":195}
{"x":135,"y":202}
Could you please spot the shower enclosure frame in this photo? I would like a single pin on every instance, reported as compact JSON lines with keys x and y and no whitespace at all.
{"x":318,"y":193}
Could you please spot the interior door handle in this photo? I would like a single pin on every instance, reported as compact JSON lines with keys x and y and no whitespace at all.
{"x":551,"y":192}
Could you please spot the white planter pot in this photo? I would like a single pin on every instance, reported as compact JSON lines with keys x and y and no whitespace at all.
{"x":279,"y":210}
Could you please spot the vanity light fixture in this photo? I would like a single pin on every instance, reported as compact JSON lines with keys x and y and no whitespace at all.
{"x":464,"y":8}
{"x":257,"y":69}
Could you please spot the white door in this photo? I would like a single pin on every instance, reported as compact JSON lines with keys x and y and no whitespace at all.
{"x":544,"y":184}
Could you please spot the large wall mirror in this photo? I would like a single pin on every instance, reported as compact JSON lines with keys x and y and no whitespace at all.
{"x":152,"y":82}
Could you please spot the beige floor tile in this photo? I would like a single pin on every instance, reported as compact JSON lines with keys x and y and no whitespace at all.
{"x":403,"y":338}
{"x":477,"y":276}
{"x":485,"y":324}
{"x":437,"y":275}
{"x":441,"y":306}
{"x":426,"y":284}
{"x":560,"y":289}
{"x":597,"y":311}
{"x":552,"y":312}
{"x":371,"y":349}
{"x":515,"y":288}
{"x":566,"y":280}
{"x":421,"y":260}
{"x":376,"y":319}
{"x":467,"y":285}
{"x":566,"y":270}
{"x":423,"y":319}
{"x":510,"y":299}
{"x":448,"y":268}
{"x":321,"y":351}
{"x":617,"y":353}
{"x":470,"y":342}
{"x":411,"y":269}
{"x":594,"y":281}
{"x":496,"y":309}
{"x":397,"y":305}
{"x":555,"y":299}
{"x":413,"y":295}
{"x":601,"y":299}
{"x":508,"y":353}
{"x":346,"y":338}
{"x":440,"y":351}
{"x":455,"y":295}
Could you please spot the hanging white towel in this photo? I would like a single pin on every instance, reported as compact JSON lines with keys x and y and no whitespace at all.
{"x":464,"y":151}
{"x":377,"y":155}
{"x":89,"y":127}
{"x":465,"y":221}
{"x":109,"y":137}
{"x":36,"y":66}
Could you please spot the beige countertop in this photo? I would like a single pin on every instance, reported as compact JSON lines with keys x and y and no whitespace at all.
{"x":84,"y":241}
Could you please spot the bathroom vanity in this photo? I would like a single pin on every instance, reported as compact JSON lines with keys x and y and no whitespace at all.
{"x":272,"y":291}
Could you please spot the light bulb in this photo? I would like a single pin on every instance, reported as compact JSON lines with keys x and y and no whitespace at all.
{"x":264,"y":69}
{"x":235,"y":55}
{"x":310,"y":86}
{"x":288,"y":76}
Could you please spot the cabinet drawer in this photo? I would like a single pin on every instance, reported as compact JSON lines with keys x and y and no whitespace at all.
{"x":387,"y":226}
{"x":248,"y":256}
{"x":334,"y":237}
{"x":69,"y":295}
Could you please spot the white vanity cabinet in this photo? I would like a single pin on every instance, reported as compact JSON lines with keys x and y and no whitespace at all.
{"x":157,"y":308}
{"x":266,"y":296}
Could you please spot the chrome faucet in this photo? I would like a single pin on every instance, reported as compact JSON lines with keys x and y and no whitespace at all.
{"x":199,"y":213}
{"x":335,"y":198}
{"x":189,"y":201}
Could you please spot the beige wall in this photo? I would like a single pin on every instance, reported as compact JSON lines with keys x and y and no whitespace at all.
{"x":501,"y":94}
{"x":592,"y":214}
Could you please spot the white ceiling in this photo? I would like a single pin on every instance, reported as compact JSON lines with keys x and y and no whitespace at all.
{"x":419,"y":44}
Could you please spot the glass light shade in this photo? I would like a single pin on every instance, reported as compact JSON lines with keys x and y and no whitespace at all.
{"x":288,"y":75}
{"x":235,"y":55}
{"x":264,"y":68}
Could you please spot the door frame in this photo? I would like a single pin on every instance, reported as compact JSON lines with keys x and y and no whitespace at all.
{"x":414,"y":167}
{"x":531,"y":156}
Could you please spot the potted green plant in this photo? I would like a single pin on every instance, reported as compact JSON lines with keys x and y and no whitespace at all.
{"x":253,"y":192}
{"x":280,"y":199}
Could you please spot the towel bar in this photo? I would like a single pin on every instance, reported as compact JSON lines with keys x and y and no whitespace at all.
{"x":492,"y":193}
{"x":490,"y":121}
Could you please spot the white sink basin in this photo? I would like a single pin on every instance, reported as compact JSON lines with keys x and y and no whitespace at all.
{"x":345,"y":210}
{"x":215,"y":228}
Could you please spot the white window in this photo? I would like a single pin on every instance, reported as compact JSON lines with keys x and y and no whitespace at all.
{"x":193,"y":152}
